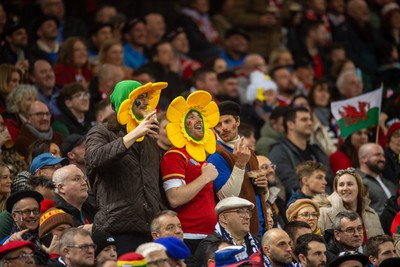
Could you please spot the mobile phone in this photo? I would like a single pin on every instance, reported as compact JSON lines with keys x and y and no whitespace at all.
{"x":46,"y":239}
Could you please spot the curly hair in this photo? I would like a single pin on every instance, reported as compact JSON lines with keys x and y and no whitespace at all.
{"x":15,"y":98}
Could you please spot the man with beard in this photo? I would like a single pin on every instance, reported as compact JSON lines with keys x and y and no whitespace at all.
{"x":277,"y":248}
{"x":46,"y":33}
{"x":285,"y":80}
{"x":14,"y":48}
{"x":275,"y":194}
{"x":372,"y":163}
{"x":233,"y":159}
{"x":135,"y":34}
{"x":311,"y":250}
{"x":236,"y":45}
{"x":295,"y":149}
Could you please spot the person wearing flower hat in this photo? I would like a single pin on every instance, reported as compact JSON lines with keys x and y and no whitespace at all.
{"x":187,"y":177}
{"x":122,"y":164}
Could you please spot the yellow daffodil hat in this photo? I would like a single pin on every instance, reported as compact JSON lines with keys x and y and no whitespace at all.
{"x":201,"y":102}
{"x":123,"y":98}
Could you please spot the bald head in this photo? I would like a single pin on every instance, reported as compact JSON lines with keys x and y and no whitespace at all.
{"x":358,"y":10}
{"x":273,"y":235}
{"x":277,"y":246}
{"x":254,"y":62}
{"x":367,"y":149}
{"x":372,"y":159}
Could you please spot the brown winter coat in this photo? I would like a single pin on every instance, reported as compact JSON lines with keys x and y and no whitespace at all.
{"x":370,"y":219}
{"x":126,"y":182}
{"x":246,"y":14}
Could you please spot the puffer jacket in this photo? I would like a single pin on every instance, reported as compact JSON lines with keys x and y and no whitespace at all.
{"x":370,"y":219}
{"x":126,"y":182}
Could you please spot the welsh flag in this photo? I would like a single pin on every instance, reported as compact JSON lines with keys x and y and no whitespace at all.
{"x":357,"y":113}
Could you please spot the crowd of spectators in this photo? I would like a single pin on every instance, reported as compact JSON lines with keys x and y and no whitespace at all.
{"x":281,"y":187}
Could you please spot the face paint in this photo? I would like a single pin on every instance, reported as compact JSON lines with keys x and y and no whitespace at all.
{"x":137,"y":103}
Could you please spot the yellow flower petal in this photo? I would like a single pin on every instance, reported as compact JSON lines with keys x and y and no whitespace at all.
{"x":148,"y":88}
{"x":211,"y":113}
{"x":132,"y":124}
{"x":177,"y":109}
{"x":199,"y":98}
{"x":211,"y":144}
{"x":175,"y":135}
{"x":140,"y":139}
{"x":196,"y":151}
{"x":124,"y":115}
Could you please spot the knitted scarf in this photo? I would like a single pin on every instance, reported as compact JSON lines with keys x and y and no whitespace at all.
{"x":251,"y":244}
{"x":40,"y":135}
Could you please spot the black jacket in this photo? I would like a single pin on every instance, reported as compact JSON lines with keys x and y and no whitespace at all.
{"x":286,"y":157}
{"x":388,"y":214}
{"x":87,"y":210}
{"x":333,"y":247}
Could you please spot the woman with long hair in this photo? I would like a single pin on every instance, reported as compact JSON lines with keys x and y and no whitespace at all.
{"x":350,"y":194}
{"x":72,"y":63}
{"x":347,"y":153}
{"x":10,"y":77}
{"x":5,"y":185}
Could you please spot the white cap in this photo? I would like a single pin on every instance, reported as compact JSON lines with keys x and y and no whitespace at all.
{"x":231,"y":203}
{"x":259,"y":81}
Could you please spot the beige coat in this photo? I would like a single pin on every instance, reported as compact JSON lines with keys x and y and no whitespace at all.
{"x":370,"y":219}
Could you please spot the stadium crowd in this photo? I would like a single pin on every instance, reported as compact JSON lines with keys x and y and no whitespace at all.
{"x":174,"y":133}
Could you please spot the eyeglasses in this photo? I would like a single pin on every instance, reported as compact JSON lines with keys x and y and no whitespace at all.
{"x":307,"y":215}
{"x":242,"y":212}
{"x":81,"y":95}
{"x":41,"y":114}
{"x":49,"y":167}
{"x":160,"y":262}
{"x":350,"y":171}
{"x":85,"y":247}
{"x":352,"y":231}
{"x":23,"y":257}
{"x":267,"y":166}
{"x":28,"y":212}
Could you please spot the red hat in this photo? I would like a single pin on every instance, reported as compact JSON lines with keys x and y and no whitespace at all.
{"x":391,"y":130}
{"x":13,"y":245}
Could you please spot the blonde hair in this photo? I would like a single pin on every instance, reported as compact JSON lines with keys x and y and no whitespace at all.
{"x":5,"y":75}
{"x":3,"y":198}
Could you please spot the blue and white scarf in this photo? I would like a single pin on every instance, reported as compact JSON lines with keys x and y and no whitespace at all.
{"x":251,"y":244}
